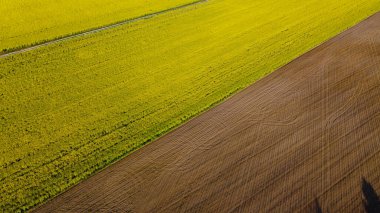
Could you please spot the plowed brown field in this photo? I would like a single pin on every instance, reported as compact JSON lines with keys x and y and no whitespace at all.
{"x":300,"y":139}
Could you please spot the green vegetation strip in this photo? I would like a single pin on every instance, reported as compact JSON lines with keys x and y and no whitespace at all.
{"x":72,"y":108}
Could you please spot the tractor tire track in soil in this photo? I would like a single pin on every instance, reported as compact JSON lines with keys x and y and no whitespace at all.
{"x":305,"y":147}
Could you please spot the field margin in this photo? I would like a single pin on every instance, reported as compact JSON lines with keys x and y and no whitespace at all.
{"x":28,"y":47}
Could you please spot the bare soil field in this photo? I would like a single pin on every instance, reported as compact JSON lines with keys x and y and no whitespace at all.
{"x":306,"y":138}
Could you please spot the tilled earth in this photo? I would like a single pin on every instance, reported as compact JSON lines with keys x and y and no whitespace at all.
{"x":306,"y":138}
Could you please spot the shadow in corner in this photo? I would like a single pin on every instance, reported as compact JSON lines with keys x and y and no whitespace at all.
{"x":318,"y":208}
{"x":371,"y":200}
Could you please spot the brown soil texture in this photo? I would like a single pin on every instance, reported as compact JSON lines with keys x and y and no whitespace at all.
{"x":306,"y":138}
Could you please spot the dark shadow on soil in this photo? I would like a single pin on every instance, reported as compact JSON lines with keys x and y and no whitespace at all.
{"x":371,"y":200}
{"x":318,"y":208}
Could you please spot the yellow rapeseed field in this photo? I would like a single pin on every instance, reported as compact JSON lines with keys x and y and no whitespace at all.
{"x":72,"y":108}
{"x":25,"y":22}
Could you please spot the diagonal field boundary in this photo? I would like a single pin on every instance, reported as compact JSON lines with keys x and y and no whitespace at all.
{"x":313,"y":138}
{"x":94,"y":30}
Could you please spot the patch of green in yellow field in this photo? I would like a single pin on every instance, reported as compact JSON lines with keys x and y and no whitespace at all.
{"x":72,"y":108}
{"x":25,"y":22}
